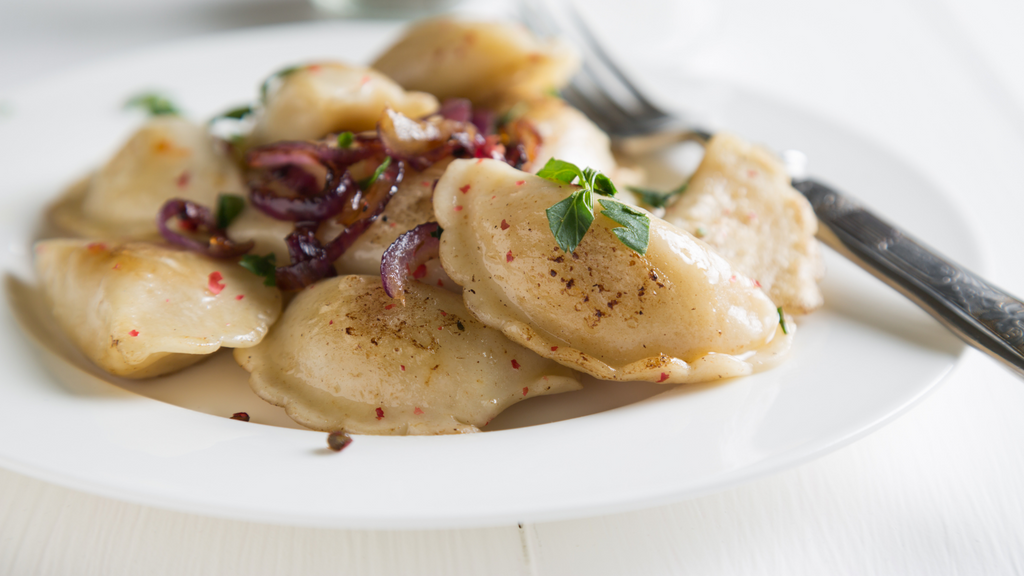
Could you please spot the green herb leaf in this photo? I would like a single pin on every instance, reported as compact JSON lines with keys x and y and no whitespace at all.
{"x":782,"y":320}
{"x":570,"y":219}
{"x":656,"y":199}
{"x":437,"y":233}
{"x":233,"y":114}
{"x":229,"y":206}
{"x":513,"y":113}
{"x":261,"y":266}
{"x":561,"y":171}
{"x":345,"y":139}
{"x":635,"y":231}
{"x":284,"y":72}
{"x":367,"y":182}
{"x":154,"y":104}
{"x":603,"y":185}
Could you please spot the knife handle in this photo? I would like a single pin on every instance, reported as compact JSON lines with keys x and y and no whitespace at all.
{"x":982,"y":315}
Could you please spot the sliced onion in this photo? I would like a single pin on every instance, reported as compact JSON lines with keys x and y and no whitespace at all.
{"x":406,"y":254}
{"x":307,"y":272}
{"x":295,"y":206}
{"x":201,"y":219}
{"x":371,"y":202}
{"x":458,"y":109}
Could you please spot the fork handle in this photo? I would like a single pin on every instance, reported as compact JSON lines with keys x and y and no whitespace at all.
{"x":982,"y":315}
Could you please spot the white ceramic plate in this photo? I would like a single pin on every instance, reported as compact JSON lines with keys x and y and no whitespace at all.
{"x":862,"y":360}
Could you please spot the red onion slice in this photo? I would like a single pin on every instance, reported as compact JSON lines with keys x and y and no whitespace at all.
{"x":458,"y":109}
{"x":297,"y":207}
{"x":371,"y":202}
{"x":201,"y":219}
{"x":406,"y":255}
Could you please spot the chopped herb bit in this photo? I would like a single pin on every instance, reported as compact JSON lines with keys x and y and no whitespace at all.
{"x":154,"y":104}
{"x":782,"y":320}
{"x":345,"y":139}
{"x":570,"y":219}
{"x":367,"y":182}
{"x":233,"y":114}
{"x":513,"y":113}
{"x":437,"y":233}
{"x":554,"y":92}
{"x":229,"y":206}
{"x":656,"y":199}
{"x":635,"y":231}
{"x":264,"y":266}
{"x":265,"y":87}
{"x":337,"y":441}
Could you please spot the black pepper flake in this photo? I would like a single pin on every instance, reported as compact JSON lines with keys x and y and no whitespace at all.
{"x":337,"y":441}
{"x":460,"y":326}
{"x":243,"y":416}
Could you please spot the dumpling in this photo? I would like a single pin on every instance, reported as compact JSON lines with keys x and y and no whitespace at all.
{"x":489,"y":63}
{"x":169,"y":157}
{"x":741,"y":203}
{"x":140,"y":309}
{"x":345,"y":356}
{"x":678,"y":314}
{"x":318,"y":99}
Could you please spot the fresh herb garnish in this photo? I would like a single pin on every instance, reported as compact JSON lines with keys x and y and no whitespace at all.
{"x":345,"y":139}
{"x":265,"y":87}
{"x":656,"y":199}
{"x":154,"y":104}
{"x":367,"y":182}
{"x":229,"y":206}
{"x":635,"y":231}
{"x":264,"y":266}
{"x":570,"y":219}
{"x":782,"y":320}
{"x":233,"y":114}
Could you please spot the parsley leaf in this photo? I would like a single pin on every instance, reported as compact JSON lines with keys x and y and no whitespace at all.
{"x":153,"y":103}
{"x":782,"y":320}
{"x":345,"y":139}
{"x":635,"y":231}
{"x":236,"y":113}
{"x":656,"y":199}
{"x":284,"y":72}
{"x":261,"y":266}
{"x":367,"y":182}
{"x":229,"y":206}
{"x":570,"y":219}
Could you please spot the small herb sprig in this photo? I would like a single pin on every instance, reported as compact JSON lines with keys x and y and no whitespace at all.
{"x":154,"y":104}
{"x":229,"y":206}
{"x":570,"y":219}
{"x":264,"y":266}
{"x":656,"y":199}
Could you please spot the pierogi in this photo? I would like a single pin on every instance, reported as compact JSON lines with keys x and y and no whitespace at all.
{"x":741,"y":203}
{"x":493,"y":64}
{"x":680,"y":313}
{"x":139,"y":309}
{"x":168,"y":157}
{"x":345,"y":356}
{"x":311,"y":101}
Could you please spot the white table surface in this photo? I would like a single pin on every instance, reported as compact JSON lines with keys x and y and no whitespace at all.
{"x":939,"y":83}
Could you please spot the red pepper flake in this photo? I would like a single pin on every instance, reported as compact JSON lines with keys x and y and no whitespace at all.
{"x":380,"y":413}
{"x":313,"y":67}
{"x":403,"y":367}
{"x":420,"y":271}
{"x":464,"y":189}
{"x":664,"y":376}
{"x":515,"y":364}
{"x":509,"y":257}
{"x":133,"y":333}
{"x":240,"y":296}
{"x":183,"y":179}
{"x":479,"y":160}
{"x":214,"y":283}
{"x":426,"y":183}
{"x":337,"y":441}
{"x":389,"y":306}
{"x":526,"y":390}
{"x":417,"y":410}
{"x":439,"y":283}
{"x":732,"y":278}
{"x":330,"y":322}
{"x":243,"y":416}
{"x":757,"y":283}
{"x":443,"y":313}
{"x":752,"y":173}
{"x":554,"y":348}
{"x":520,"y":182}
{"x":504,"y":224}
{"x":458,"y":208}
{"x":365,"y":79}
{"x":95,"y":247}
{"x":117,"y":266}
{"x":439,"y":327}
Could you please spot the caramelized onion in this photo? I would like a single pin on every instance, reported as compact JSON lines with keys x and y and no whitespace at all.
{"x":406,"y":255}
{"x":198,"y":218}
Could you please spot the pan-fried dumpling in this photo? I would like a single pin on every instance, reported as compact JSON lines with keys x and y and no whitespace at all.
{"x":678,"y":314}
{"x":490,"y":63}
{"x":140,"y":309}
{"x":169,"y":157}
{"x":345,"y":356}
{"x":741,"y":203}
{"x":315,"y":100}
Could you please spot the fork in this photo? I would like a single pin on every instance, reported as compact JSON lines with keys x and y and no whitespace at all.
{"x":986,"y":317}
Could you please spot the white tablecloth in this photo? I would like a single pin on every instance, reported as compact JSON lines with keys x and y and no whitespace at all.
{"x":939,"y":83}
